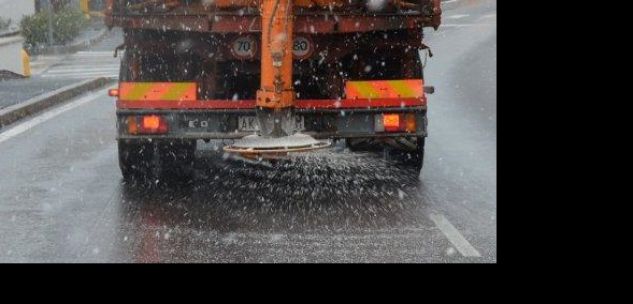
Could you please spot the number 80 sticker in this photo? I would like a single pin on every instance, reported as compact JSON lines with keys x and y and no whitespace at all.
{"x":244,"y":47}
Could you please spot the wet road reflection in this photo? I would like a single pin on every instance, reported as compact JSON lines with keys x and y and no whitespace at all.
{"x":330,"y":201}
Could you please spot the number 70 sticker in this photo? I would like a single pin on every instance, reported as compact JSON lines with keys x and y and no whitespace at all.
{"x":244,"y":47}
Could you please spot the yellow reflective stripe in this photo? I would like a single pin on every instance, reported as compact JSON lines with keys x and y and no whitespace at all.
{"x":158,"y":91}
{"x":402,"y":88}
{"x":139,"y":89}
{"x":365,"y":89}
{"x":176,"y":91}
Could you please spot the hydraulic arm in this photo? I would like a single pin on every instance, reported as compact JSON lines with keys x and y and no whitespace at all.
{"x":275,"y":98}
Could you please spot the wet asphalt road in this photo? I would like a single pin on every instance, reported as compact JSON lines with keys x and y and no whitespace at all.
{"x":62,"y":198}
{"x":14,"y":91}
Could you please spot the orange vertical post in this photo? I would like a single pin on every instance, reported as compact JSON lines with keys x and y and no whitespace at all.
{"x":276,"y":90}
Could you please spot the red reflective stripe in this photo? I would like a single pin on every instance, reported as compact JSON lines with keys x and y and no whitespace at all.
{"x":186,"y":104}
{"x":360,"y":103}
{"x":250,"y":104}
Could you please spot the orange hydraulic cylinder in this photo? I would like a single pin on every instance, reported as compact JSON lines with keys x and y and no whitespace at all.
{"x":276,"y":63}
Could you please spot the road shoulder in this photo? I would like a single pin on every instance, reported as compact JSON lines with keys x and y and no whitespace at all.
{"x":38,"y":104}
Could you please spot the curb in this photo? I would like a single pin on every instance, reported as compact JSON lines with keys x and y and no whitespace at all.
{"x":8,"y":75}
{"x":9,"y":34}
{"x":37,"y":104}
{"x":82,"y":45}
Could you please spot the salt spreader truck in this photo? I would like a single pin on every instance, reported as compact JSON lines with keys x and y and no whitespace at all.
{"x":274,"y":76}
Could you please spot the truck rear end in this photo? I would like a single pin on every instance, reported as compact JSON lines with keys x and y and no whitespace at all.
{"x":197,"y":70}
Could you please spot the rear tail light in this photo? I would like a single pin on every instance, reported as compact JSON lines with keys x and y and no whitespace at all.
{"x":113,"y":92}
{"x":132,"y":126}
{"x":147,"y":124}
{"x":395,"y":123}
{"x":153,"y":124}
{"x":391,"y":122}
{"x":410,"y":123}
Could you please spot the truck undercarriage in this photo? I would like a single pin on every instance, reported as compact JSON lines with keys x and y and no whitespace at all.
{"x":192,"y":71}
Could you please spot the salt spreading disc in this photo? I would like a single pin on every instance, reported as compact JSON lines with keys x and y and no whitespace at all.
{"x":261,"y":145}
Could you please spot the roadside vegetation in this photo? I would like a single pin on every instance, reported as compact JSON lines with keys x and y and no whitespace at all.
{"x":4,"y":23}
{"x":67,"y":23}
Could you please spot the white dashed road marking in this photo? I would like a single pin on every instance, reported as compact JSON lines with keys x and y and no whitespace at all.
{"x":458,"y":16}
{"x":453,"y":235}
{"x":84,"y":65}
{"x":457,"y":25}
{"x":488,"y":16}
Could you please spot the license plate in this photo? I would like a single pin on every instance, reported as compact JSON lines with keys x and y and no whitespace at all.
{"x":249,"y":123}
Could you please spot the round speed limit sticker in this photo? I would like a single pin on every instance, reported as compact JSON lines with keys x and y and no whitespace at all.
{"x":244,"y":47}
{"x":302,"y":47}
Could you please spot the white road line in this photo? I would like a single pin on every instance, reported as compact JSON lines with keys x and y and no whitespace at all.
{"x":449,"y":1}
{"x":453,"y":235}
{"x":457,"y":25}
{"x":76,"y":75}
{"x":90,"y":61}
{"x":78,"y":71}
{"x":72,"y":61}
{"x":27,"y":125}
{"x":95,"y":53}
{"x":80,"y":77}
{"x":85,"y":69}
{"x":458,"y":16}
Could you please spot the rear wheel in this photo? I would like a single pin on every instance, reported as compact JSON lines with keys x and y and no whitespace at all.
{"x":414,"y":159}
{"x":363,"y":145}
{"x":177,"y":160}
{"x":408,"y":151}
{"x":172,"y":161}
{"x":135,"y":159}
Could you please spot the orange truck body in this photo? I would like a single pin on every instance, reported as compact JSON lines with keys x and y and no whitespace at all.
{"x":205,"y":65}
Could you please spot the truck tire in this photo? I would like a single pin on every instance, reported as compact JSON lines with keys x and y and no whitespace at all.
{"x":362,"y":145}
{"x":177,"y":160}
{"x":171,"y":161}
{"x":415,"y":159}
{"x":409,"y":158}
{"x":406,"y":157}
{"x":135,"y":159}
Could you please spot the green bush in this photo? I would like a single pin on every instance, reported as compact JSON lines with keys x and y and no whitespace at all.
{"x":67,"y":23}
